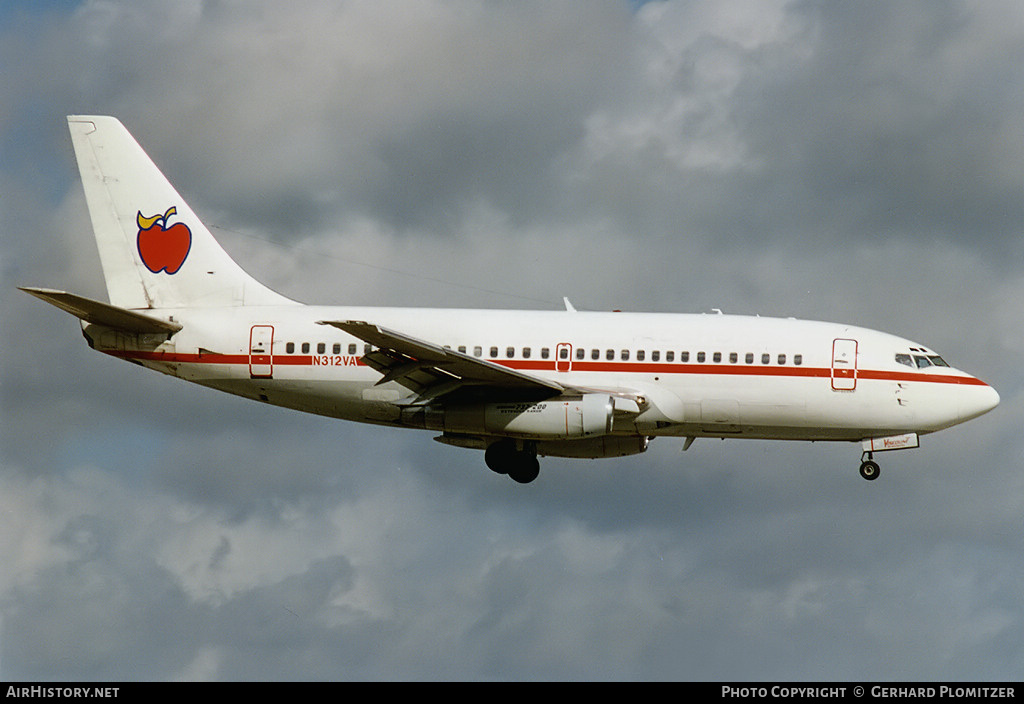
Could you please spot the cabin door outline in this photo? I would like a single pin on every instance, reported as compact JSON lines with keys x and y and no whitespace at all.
{"x":844,"y":364}
{"x":261,"y":352}
{"x":563,"y":357}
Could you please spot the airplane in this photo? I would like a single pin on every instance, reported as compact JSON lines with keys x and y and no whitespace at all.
{"x":517,"y":384}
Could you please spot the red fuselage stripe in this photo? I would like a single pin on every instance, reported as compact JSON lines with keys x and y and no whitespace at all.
{"x":615,"y":367}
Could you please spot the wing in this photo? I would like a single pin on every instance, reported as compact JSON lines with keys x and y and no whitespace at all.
{"x":431,"y":371}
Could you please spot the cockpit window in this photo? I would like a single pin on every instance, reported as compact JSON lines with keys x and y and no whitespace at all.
{"x":921,"y":361}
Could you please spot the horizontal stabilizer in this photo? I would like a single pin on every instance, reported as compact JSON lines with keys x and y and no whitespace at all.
{"x":100,"y":313}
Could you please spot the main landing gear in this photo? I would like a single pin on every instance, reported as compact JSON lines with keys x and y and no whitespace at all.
{"x":504,"y":457}
{"x":869,"y":469}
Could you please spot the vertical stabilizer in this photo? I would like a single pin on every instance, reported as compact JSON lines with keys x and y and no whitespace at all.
{"x":155,"y":251}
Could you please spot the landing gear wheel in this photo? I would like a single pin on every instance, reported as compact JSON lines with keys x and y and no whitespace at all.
{"x":521,"y":465}
{"x":500,"y":456}
{"x":525,"y":468}
{"x":870,"y":470}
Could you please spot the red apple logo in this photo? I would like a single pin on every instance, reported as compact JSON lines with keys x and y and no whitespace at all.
{"x":163,"y":248}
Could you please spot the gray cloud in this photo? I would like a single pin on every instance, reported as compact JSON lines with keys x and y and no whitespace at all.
{"x":857,"y":163}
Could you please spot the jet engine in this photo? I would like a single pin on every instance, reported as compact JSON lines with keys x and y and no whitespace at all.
{"x":593,"y":448}
{"x":558,"y":419}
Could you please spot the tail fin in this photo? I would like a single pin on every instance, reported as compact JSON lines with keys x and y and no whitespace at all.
{"x":155,"y":252}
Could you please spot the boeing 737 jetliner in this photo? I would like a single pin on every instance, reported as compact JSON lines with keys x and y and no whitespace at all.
{"x":515,"y":384}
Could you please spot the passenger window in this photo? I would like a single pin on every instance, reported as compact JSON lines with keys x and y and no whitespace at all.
{"x":305,"y":348}
{"x":625,"y":355}
{"x":700,"y":357}
{"x":494,"y":351}
{"x":798,"y":359}
{"x":510,"y":352}
{"x":526,"y":353}
{"x":290,"y":348}
{"x":717,"y":357}
{"x":766,"y":358}
{"x":733,"y":358}
{"x":580,"y":353}
{"x":610,"y":354}
{"x":595,"y":353}
{"x":655,"y":355}
{"x":352,"y":349}
{"x":670,"y":356}
{"x":462,"y":349}
{"x":321,"y":348}
{"x":640,"y":355}
{"x":749,"y":359}
{"x":782,"y":359}
{"x":336,"y":349}
{"x":478,"y":351}
{"x":544,"y":352}
{"x":367,"y":348}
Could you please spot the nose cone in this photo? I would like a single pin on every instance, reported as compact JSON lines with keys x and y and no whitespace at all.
{"x":975,"y":401}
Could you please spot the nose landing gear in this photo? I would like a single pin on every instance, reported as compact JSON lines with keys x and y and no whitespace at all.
{"x":869,"y":469}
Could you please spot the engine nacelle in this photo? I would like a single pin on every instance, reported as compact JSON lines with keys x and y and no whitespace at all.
{"x":559,"y":418}
{"x":593,"y":448}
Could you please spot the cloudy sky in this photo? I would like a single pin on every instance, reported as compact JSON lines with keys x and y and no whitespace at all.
{"x":859,"y":161}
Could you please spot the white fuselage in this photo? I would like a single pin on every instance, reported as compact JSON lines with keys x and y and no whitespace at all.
{"x":699,"y":375}
{"x":516,"y":384}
